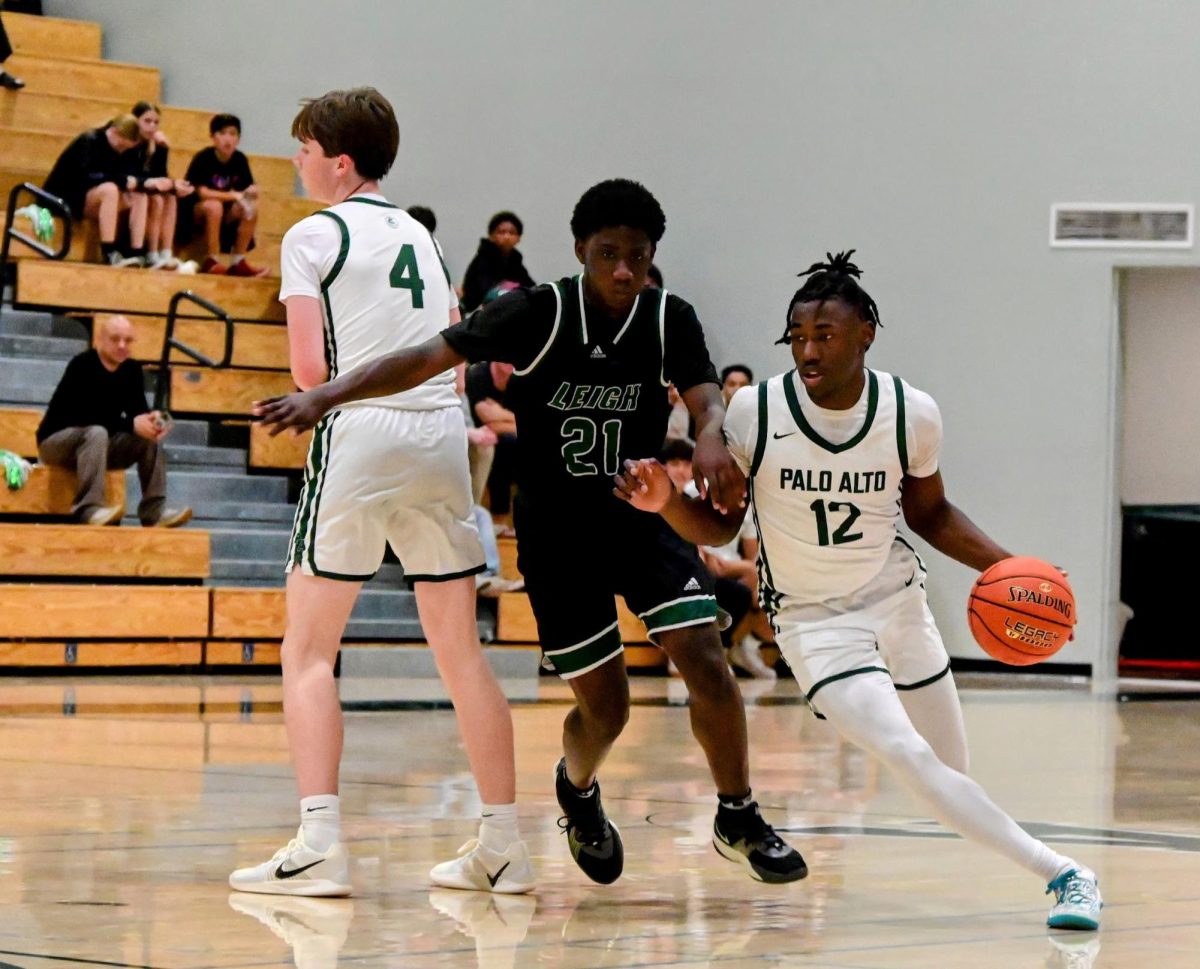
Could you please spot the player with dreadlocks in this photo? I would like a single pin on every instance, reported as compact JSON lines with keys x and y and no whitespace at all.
{"x":834,"y":452}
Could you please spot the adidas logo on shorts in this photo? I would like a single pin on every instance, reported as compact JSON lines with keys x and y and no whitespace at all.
{"x":692,"y":585}
{"x":597,"y":353}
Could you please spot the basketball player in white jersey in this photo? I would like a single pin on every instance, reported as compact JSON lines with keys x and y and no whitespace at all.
{"x":362,"y":279}
{"x":833,"y":453}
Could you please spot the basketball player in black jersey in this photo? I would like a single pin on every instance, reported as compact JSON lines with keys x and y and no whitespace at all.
{"x":593,"y":356}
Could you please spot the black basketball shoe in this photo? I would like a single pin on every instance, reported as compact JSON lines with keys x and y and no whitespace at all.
{"x":594,"y":840}
{"x":744,"y":837}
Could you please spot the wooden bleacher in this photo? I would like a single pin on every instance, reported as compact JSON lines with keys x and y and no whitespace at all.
{"x":18,"y":430}
{"x":68,"y":115}
{"x":50,"y":491}
{"x":103,"y":552}
{"x":72,"y":287}
{"x":200,"y":390}
{"x":55,"y":74}
{"x":53,"y":36}
{"x":54,"y":611}
{"x":255,"y":345}
{"x":286,"y":451}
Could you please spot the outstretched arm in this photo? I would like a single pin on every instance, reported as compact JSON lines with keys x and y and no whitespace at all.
{"x":716,"y":474}
{"x":646,"y":486}
{"x":942,"y":525}
{"x":398,"y":371}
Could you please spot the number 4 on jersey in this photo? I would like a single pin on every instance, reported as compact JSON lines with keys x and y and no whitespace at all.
{"x":406,"y":275}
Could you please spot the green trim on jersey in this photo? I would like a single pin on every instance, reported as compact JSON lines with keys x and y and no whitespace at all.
{"x":843,"y":676}
{"x":330,"y":340}
{"x":313,"y":473}
{"x":789,"y":391}
{"x":929,"y":680}
{"x":573,"y":660}
{"x":343,"y":249}
{"x":901,"y":432}
{"x":689,"y":611}
{"x":768,"y":597}
{"x":760,"y":446}
{"x":343,"y":252}
{"x":442,"y":259}
{"x":381,"y":204}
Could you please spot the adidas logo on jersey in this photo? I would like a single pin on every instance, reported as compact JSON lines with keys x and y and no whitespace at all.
{"x":692,"y":585}
{"x":597,"y":353}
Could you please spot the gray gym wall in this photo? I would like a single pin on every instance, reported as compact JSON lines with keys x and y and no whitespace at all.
{"x":931,"y":136}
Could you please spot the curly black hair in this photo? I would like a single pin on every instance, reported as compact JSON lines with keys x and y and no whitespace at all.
{"x":836,"y":278}
{"x":618,"y":202}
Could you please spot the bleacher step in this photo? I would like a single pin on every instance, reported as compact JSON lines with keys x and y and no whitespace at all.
{"x":57,"y":348}
{"x":198,"y":487}
{"x":416,"y":662}
{"x":227,"y":512}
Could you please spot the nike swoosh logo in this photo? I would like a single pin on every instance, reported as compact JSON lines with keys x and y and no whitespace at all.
{"x":780,"y":437}
{"x":492,"y":879}
{"x":323,"y":807}
{"x":910,"y":580}
{"x":280,"y":873}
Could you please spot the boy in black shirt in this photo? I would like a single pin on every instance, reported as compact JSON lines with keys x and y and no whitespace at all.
{"x":593,"y":356}
{"x":98,"y":419}
{"x":225,"y":205}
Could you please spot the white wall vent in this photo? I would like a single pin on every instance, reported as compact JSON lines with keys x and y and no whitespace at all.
{"x":1121,"y":225}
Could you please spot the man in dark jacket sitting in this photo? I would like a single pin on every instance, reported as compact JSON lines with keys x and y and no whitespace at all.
{"x":98,"y":419}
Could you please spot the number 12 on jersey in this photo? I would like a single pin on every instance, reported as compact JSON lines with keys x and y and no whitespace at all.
{"x":841,"y":534}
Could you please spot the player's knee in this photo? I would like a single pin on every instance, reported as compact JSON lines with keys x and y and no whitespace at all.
{"x":606,"y":716}
{"x":907,"y":752}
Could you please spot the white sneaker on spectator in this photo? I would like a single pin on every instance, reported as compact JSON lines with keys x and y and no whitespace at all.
{"x":104,"y":515}
{"x":162,"y":260}
{"x":171,"y":518}
{"x":131,"y":262}
{"x":747,"y":656}
{"x":189,"y":267}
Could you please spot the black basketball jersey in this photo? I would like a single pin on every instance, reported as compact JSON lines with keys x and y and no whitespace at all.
{"x":588,"y":392}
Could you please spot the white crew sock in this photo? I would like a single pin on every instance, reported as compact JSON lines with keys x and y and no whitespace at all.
{"x":320,"y":821}
{"x":498,"y":827}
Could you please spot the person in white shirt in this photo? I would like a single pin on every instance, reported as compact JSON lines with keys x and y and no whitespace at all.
{"x":834,"y":454}
{"x":362,"y":279}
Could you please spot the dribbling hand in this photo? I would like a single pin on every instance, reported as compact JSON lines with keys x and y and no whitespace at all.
{"x":298,"y":411}
{"x":645,"y":485}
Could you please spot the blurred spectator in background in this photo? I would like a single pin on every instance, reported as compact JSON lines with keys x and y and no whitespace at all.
{"x":147,"y":163}
{"x":497,"y":260}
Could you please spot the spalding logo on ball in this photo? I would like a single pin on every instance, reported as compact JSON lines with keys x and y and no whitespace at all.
{"x":1021,"y":611}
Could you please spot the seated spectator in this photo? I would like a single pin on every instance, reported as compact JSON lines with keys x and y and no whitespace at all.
{"x":735,"y":576}
{"x":485,"y":387}
{"x":90,"y":176}
{"x":98,"y":419}
{"x":147,"y":163}
{"x":6,"y":79}
{"x":498,"y":260}
{"x":225,"y":206}
{"x":679,"y":422}
{"x":734,"y":378}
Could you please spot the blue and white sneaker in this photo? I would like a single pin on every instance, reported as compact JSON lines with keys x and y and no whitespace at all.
{"x":1078,"y":900}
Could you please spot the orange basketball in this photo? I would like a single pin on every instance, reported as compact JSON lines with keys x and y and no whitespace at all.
{"x":1021,"y":611}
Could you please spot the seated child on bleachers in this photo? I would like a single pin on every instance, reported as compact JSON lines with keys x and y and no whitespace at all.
{"x":90,"y":177}
{"x":147,"y":163}
{"x":225,"y":206}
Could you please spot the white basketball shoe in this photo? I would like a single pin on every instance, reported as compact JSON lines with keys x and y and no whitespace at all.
{"x":478,"y":868}
{"x":296,"y":869}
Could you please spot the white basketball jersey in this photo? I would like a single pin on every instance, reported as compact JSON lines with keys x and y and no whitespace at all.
{"x":826,"y":513}
{"x":385,"y":289}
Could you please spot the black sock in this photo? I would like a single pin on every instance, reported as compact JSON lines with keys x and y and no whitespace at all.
{"x":107,"y":249}
{"x":138,"y":251}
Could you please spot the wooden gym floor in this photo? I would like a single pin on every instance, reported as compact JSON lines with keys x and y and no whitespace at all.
{"x":124,"y":805}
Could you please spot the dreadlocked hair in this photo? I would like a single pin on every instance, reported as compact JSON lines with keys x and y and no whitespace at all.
{"x":836,"y":278}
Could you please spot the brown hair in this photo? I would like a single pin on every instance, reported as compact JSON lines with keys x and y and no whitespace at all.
{"x":359,"y":123}
{"x":127,"y":127}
